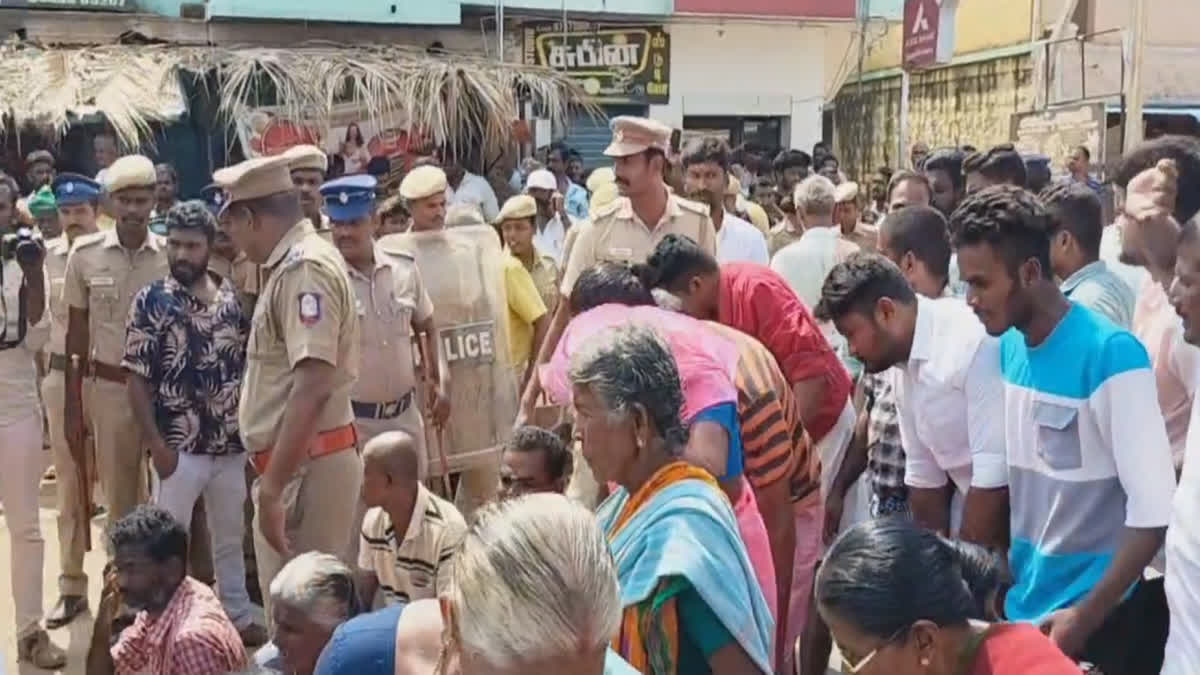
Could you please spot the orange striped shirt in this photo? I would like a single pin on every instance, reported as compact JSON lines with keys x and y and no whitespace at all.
{"x":777,"y":447}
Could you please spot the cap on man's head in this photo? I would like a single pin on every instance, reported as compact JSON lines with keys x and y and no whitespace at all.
{"x":461,"y":215}
{"x":308,"y":157}
{"x":349,"y":198}
{"x":423,"y":181}
{"x":213,"y":195}
{"x":74,"y":188}
{"x":254,"y":178}
{"x":130,"y":171}
{"x":541,"y":179}
{"x":42,"y":202}
{"x":600,"y":176}
{"x":39,"y":156}
{"x":633,"y":135}
{"x":846,"y":192}
{"x":516,"y":208}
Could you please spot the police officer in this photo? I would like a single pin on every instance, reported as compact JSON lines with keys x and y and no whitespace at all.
{"x":78,"y":199}
{"x":392,"y":307}
{"x":24,"y":329}
{"x":308,"y":165}
{"x":627,"y":229}
{"x":228,"y":261}
{"x":302,"y":362}
{"x":104,"y":271}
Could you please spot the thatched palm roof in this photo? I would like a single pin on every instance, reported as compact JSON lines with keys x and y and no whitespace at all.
{"x":462,"y":100}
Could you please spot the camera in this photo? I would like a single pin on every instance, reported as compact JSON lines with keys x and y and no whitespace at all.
{"x":25,"y":245}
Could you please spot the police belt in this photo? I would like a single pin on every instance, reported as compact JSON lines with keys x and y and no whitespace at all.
{"x":383,"y":411}
{"x":58,"y":362}
{"x":328,"y":442}
{"x":106,"y":371}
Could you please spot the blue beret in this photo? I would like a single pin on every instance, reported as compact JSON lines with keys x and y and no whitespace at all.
{"x":74,"y":188}
{"x":349,"y":198}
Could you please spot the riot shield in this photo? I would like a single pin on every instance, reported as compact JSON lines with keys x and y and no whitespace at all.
{"x":462,"y":269}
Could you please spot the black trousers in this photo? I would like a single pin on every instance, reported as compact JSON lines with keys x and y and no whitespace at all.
{"x":1131,"y":640}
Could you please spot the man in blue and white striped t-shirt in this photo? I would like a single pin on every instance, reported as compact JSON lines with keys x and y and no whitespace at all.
{"x":1089,"y":463}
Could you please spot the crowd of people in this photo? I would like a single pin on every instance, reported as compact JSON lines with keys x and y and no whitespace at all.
{"x":941,"y":421}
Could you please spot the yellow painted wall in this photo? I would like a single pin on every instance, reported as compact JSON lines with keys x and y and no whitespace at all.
{"x":979,"y":25}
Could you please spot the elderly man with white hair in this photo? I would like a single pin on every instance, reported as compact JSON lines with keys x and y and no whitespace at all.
{"x":310,"y":597}
{"x":806,"y":262}
{"x":534,"y":590}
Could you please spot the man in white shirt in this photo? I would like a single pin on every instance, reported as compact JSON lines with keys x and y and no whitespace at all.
{"x":706,"y":175}
{"x":465,"y":187}
{"x":550,"y":223}
{"x":949,"y":391}
{"x":804,"y":264}
{"x":24,"y":329}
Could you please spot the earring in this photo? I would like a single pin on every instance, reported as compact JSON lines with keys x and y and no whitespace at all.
{"x":925,"y":663}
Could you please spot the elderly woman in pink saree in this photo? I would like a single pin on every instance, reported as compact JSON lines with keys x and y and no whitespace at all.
{"x":707,"y":365}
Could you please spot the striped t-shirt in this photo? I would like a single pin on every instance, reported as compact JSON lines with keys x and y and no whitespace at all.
{"x":773,"y":437}
{"x":416,"y":567}
{"x":1088,"y":456}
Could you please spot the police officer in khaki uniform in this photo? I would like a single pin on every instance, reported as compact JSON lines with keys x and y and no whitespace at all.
{"x":78,"y":199}
{"x":301,"y":364}
{"x":392,"y":308}
{"x":515,"y":221}
{"x":104,"y":271}
{"x":308,"y":165}
{"x":627,"y":229}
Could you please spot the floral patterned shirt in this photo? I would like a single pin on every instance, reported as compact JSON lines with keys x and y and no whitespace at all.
{"x":193,"y":355}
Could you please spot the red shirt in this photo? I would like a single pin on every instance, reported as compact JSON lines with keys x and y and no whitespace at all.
{"x":1020,"y":649}
{"x":192,"y":636}
{"x":756,"y":300}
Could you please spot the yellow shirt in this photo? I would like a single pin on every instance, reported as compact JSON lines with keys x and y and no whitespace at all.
{"x":524,"y":307}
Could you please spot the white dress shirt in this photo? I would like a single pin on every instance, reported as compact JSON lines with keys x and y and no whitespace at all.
{"x":18,"y":374}
{"x":549,"y":239}
{"x":950,"y":397}
{"x":1183,"y":561}
{"x":740,"y":241}
{"x":475,"y":190}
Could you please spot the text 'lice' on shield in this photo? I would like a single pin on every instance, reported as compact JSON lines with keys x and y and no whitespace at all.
{"x":469,"y":343}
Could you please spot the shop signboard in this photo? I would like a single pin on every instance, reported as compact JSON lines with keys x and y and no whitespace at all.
{"x":619,"y":64}
{"x":928,"y":32}
{"x":99,"y":5}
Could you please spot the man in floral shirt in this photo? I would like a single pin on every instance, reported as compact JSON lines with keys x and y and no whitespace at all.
{"x":179,"y":628}
{"x":185,"y":352}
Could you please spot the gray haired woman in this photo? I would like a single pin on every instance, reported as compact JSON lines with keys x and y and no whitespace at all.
{"x":691,"y":600}
{"x":310,"y":597}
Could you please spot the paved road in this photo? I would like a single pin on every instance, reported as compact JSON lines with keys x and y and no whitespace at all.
{"x":75,"y":637}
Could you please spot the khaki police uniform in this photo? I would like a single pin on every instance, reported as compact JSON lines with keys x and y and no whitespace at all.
{"x":387,"y":303}
{"x":615,"y":233}
{"x":102,"y":277}
{"x":544,"y":272}
{"x":306,"y":311}
{"x":72,"y":532}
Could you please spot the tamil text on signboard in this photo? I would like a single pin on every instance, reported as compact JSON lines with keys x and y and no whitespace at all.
{"x":630,"y":64}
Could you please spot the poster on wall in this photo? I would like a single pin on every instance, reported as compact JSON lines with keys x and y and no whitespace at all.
{"x":626,"y":64}
{"x":1057,"y":132}
{"x":355,"y":141}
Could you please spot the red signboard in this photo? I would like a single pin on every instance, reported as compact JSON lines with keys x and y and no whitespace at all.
{"x":813,"y":9}
{"x":928,"y":32}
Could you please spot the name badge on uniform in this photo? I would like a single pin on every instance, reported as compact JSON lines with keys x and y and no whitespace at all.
{"x":621,"y":252}
{"x":101,"y":281}
{"x":471,"y":343}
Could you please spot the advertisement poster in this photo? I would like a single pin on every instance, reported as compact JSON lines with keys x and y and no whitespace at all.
{"x":354,"y":141}
{"x":626,"y":64}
